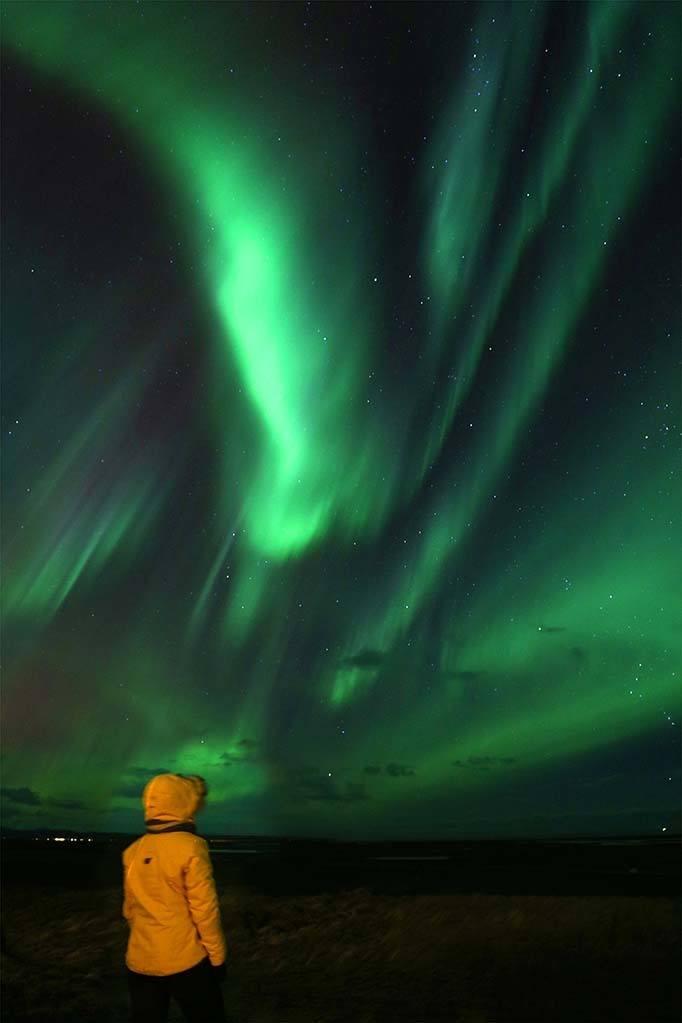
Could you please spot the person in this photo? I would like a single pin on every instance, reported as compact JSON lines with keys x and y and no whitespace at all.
{"x":176,"y":947}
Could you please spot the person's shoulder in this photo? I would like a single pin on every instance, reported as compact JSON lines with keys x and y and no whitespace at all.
{"x":188,"y":840}
{"x":129,"y":850}
{"x":191,"y":848}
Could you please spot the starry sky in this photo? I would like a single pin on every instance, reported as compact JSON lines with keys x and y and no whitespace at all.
{"x":340,"y":420}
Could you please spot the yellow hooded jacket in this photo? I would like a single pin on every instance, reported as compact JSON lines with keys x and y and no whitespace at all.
{"x":169,"y":896}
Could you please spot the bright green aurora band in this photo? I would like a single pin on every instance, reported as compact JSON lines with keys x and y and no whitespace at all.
{"x":378,"y":619}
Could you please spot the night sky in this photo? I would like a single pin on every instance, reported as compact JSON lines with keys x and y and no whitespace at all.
{"x":340,"y":421}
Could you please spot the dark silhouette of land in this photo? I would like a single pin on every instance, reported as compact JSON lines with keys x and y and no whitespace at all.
{"x":325,"y":932}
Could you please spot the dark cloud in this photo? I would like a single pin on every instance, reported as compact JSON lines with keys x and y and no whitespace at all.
{"x":399,"y":770}
{"x":130,"y":790}
{"x":23,"y":795}
{"x":67,"y":804}
{"x":244,"y":755}
{"x":372,"y":769}
{"x":483,"y":763}
{"x":364,"y":659}
{"x":313,"y":785}
{"x":467,"y":676}
{"x":148,"y":772}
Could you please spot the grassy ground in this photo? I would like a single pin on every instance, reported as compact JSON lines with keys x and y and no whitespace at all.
{"x":355,"y":957}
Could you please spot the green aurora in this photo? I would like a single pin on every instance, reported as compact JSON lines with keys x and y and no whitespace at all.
{"x":365,"y":505}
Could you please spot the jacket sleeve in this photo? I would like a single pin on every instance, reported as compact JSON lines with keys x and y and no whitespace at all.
{"x":203,"y":903}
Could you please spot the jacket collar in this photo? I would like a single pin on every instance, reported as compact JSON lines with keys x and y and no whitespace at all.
{"x":159,"y":827}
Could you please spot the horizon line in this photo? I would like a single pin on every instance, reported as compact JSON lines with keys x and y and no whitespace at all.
{"x":9,"y":832}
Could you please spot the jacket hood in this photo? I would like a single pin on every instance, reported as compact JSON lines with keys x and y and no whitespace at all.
{"x":170,"y":802}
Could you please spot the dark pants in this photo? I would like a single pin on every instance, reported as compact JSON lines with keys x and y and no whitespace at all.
{"x":196,"y":991}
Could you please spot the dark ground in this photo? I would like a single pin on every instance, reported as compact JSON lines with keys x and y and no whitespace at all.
{"x":320,"y":934}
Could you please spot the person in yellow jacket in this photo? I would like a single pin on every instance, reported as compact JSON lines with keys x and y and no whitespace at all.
{"x":176,"y":946}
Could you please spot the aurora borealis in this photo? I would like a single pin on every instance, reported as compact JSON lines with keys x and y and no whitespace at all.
{"x":340,"y":419}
